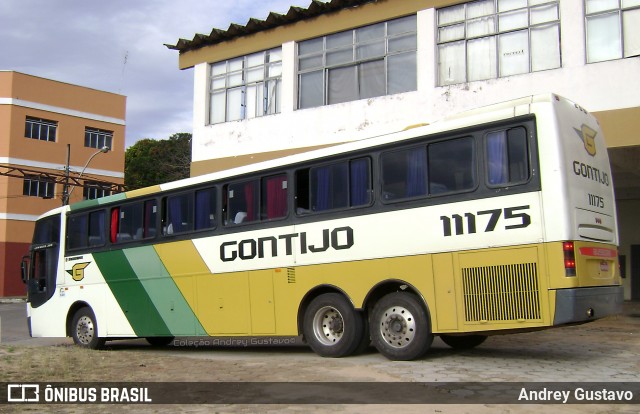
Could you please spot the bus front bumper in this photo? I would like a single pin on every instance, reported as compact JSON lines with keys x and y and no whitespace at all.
{"x":587,"y":304}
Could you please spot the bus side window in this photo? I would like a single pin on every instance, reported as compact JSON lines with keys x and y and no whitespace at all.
{"x":77,"y":232}
{"x":178,"y":214}
{"x":507,"y":157}
{"x":451,"y":166}
{"x":335,"y":186}
{"x":243,"y":202}
{"x":404,"y":174}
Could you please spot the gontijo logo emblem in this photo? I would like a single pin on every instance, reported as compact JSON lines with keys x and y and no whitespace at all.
{"x":588,"y":137}
{"x":77,"y":271}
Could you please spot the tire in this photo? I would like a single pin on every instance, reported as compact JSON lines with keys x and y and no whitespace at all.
{"x":159,"y":340}
{"x":84,"y":329}
{"x":332,"y":328}
{"x":400,"y":327}
{"x":463,"y":341}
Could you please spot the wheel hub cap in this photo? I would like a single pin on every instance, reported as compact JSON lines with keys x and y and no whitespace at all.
{"x":398,"y":327}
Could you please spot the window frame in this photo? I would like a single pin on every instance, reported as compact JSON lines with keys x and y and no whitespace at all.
{"x":326,"y":68}
{"x":495,"y":35}
{"x":39,"y":181}
{"x":48,"y":125}
{"x":94,"y":136}
{"x":91,"y":189}
{"x":620,"y":11}
{"x":271,"y":100}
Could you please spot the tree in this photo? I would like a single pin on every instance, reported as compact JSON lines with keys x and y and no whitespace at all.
{"x":150,"y":162}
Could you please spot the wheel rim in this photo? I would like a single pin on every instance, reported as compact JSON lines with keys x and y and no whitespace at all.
{"x":328,"y":325}
{"x":85,"y":330}
{"x":398,"y":327}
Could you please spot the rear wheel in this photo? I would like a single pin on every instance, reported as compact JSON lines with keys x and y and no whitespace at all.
{"x":463,"y":342}
{"x":332,"y":327}
{"x":400,"y":328}
{"x":84,"y":329}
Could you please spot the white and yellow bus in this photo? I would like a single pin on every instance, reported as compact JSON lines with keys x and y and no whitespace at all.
{"x":495,"y":221}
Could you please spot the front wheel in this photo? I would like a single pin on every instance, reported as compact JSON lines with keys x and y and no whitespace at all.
{"x":332,"y":327}
{"x":400,"y":327}
{"x":84,"y":329}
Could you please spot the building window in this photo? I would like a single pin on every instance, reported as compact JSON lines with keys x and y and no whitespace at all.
{"x":246,"y":87}
{"x":93,"y":190}
{"x":35,"y":186}
{"x":357,"y":64}
{"x":613,"y":29}
{"x":42,"y":129}
{"x":488,"y":39}
{"x":97,"y":138}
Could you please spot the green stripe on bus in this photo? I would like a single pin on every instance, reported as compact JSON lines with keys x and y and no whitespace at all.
{"x":130,"y":294}
{"x":167,"y":298}
{"x":97,"y":202}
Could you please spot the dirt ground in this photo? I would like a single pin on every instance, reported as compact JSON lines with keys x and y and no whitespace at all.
{"x":605,"y":350}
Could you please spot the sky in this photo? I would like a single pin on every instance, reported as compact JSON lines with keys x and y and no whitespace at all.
{"x":118,"y":46}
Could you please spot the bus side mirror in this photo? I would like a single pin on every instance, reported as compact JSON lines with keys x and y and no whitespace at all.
{"x":24,"y":268}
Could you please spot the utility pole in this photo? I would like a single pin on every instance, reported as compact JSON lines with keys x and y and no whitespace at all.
{"x":65,"y":188}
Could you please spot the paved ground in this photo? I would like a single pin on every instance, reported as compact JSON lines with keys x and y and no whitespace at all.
{"x":607,"y":350}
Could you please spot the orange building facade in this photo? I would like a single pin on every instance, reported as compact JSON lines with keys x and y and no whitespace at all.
{"x":42,"y":122}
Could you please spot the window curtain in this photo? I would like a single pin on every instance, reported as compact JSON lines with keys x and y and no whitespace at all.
{"x":322,"y":187}
{"x":497,"y":156}
{"x":359,"y":182}
{"x":250,"y":198}
{"x":204,"y":209}
{"x":149,"y":214}
{"x":276,"y":197}
{"x":416,"y":167}
{"x":115,"y":217}
{"x":175,"y":215}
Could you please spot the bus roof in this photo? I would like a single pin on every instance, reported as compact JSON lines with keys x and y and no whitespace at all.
{"x":490,"y":113}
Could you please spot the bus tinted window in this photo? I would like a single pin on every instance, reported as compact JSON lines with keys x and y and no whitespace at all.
{"x":507,"y":157}
{"x":129,"y":220}
{"x":243,"y":202}
{"x":451,"y":166}
{"x":179,"y":214}
{"x":441,"y":167}
{"x":86,"y":230}
{"x":329,"y":187}
{"x":255,"y":200}
{"x":404,"y":174}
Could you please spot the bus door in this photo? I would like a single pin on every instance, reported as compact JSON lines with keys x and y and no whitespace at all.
{"x":39,"y":268}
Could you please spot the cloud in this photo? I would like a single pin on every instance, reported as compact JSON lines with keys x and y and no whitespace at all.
{"x":118,"y":46}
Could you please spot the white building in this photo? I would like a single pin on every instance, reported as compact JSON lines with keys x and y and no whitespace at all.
{"x":347,"y":70}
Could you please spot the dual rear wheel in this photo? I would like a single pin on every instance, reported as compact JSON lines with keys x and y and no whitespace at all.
{"x":399,"y":327}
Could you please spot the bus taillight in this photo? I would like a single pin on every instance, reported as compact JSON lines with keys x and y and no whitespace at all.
{"x":569,"y":259}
